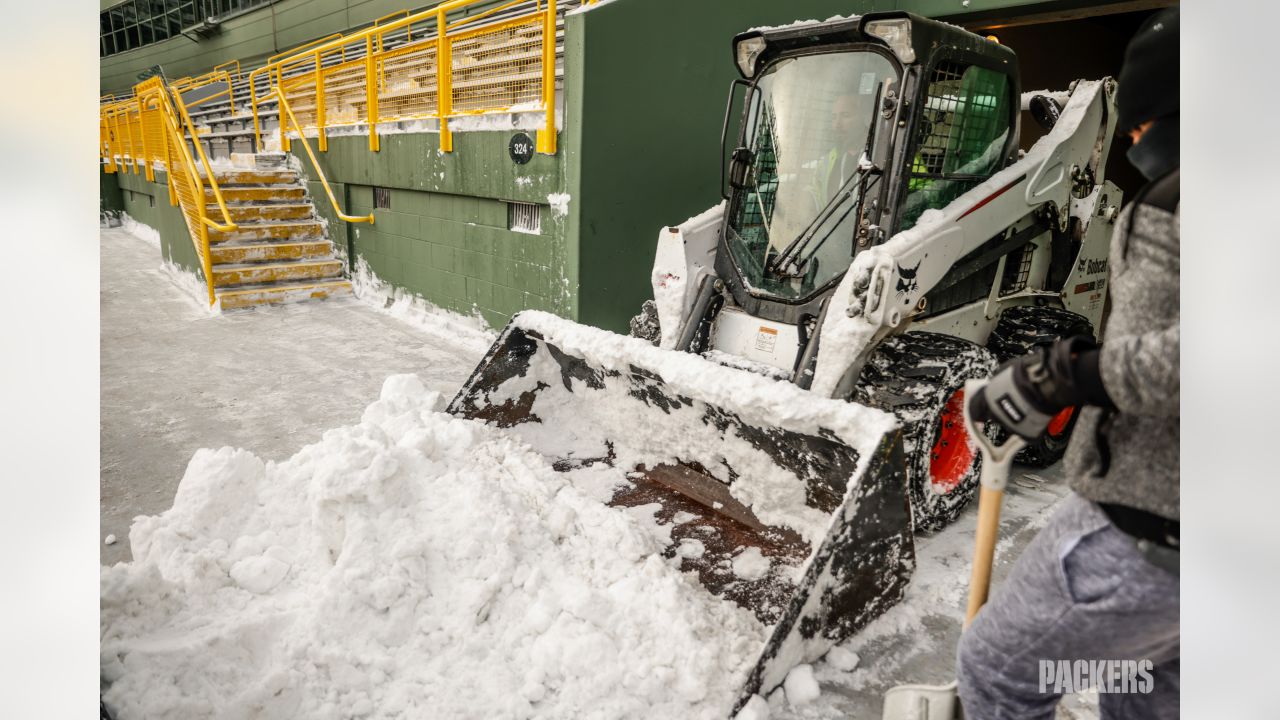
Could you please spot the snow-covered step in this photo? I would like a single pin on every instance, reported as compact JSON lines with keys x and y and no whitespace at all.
{"x":255,"y":177}
{"x":279,"y":251}
{"x":262,"y":273}
{"x":282,"y":293}
{"x":259,"y":194}
{"x":258,"y":213}
{"x":239,"y":253}
{"x":270,"y":231}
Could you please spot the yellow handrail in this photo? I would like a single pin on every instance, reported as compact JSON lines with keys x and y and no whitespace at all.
{"x":215,"y":75}
{"x":407,"y":36}
{"x":200,"y":233}
{"x":128,"y":133}
{"x":337,"y":43}
{"x":185,"y":122}
{"x":185,"y":182}
{"x":480,"y":16}
{"x":291,"y":51}
{"x":546,"y":140}
{"x":267,"y":68}
{"x":288,"y":111}
{"x":393,"y":13}
{"x":253,"y":105}
{"x":228,"y":64}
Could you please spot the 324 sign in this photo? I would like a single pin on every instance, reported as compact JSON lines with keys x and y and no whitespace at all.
{"x":520,"y":148}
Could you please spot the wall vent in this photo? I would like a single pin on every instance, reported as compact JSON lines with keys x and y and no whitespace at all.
{"x":524,"y":217}
{"x":382,"y":198}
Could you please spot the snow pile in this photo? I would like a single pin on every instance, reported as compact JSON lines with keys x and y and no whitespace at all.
{"x":528,"y":116}
{"x":756,"y":708}
{"x":751,"y":564}
{"x":842,"y":659}
{"x":603,"y":416}
{"x":800,"y":686}
{"x":413,"y":565}
{"x":559,"y":203}
{"x":142,"y":231}
{"x":802,"y":23}
{"x":741,"y":363}
{"x":190,"y":283}
{"x":584,"y":8}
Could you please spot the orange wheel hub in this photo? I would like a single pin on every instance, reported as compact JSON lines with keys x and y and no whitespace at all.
{"x":952,"y":454}
{"x":1058,"y":425}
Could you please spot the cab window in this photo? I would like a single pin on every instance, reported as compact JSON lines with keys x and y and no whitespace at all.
{"x":960,"y":136}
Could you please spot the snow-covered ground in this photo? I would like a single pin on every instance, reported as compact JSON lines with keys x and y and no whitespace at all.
{"x":915,"y":641}
{"x":176,"y":379}
{"x":400,"y":562}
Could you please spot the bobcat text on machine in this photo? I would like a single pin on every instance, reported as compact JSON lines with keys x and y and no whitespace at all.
{"x":882,"y":240}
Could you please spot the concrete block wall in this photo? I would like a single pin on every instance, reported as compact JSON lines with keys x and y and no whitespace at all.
{"x":455,"y":251}
{"x":148,"y":203}
{"x":110,"y":197}
{"x":445,"y":236}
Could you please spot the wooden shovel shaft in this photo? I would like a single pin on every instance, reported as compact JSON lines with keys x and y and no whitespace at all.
{"x":984,"y":549}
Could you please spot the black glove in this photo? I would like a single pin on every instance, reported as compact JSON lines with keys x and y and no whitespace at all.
{"x":1025,"y":393}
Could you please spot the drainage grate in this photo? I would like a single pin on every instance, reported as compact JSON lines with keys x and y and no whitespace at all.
{"x":524,"y":217}
{"x":382,"y":198}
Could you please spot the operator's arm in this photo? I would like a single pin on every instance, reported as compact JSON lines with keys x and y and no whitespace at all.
{"x":1140,"y":372}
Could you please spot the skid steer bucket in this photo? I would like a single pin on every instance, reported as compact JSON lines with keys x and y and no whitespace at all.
{"x":811,"y":490}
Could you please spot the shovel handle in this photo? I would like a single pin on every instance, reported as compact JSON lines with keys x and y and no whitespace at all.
{"x":996,"y":460}
{"x":984,"y":549}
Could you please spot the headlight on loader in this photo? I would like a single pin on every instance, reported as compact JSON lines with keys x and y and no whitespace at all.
{"x":746,"y":52}
{"x":896,"y":33}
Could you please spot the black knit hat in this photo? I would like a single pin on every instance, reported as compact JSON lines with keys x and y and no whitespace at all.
{"x":1149,"y":77}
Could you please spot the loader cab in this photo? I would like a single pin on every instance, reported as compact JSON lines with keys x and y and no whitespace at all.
{"x":850,"y":130}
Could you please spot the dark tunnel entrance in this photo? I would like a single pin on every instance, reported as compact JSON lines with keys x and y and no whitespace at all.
{"x":1055,"y":48}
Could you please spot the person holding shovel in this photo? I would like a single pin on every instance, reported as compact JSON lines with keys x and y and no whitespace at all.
{"x":1098,"y":586}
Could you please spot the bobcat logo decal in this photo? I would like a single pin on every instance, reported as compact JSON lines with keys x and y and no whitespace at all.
{"x":907,"y":279}
{"x":1091,"y":267}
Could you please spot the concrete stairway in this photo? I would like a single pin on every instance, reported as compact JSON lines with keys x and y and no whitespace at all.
{"x":279,"y":251}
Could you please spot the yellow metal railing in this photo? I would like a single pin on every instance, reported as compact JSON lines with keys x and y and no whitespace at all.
{"x":408,"y":37}
{"x":286,"y":118}
{"x":188,"y":84}
{"x":151,"y":128}
{"x":272,"y":70}
{"x":449,"y":65}
{"x":229,"y":66}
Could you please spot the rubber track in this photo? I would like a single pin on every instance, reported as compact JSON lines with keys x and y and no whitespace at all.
{"x":913,"y":375}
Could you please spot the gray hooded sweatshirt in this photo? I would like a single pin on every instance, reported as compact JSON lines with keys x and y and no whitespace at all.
{"x":1130,"y":456}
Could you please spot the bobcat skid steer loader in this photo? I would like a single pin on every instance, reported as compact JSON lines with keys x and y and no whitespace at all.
{"x":881,"y":241}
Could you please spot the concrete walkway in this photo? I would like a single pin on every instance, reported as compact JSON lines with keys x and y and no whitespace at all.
{"x":176,"y":379}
